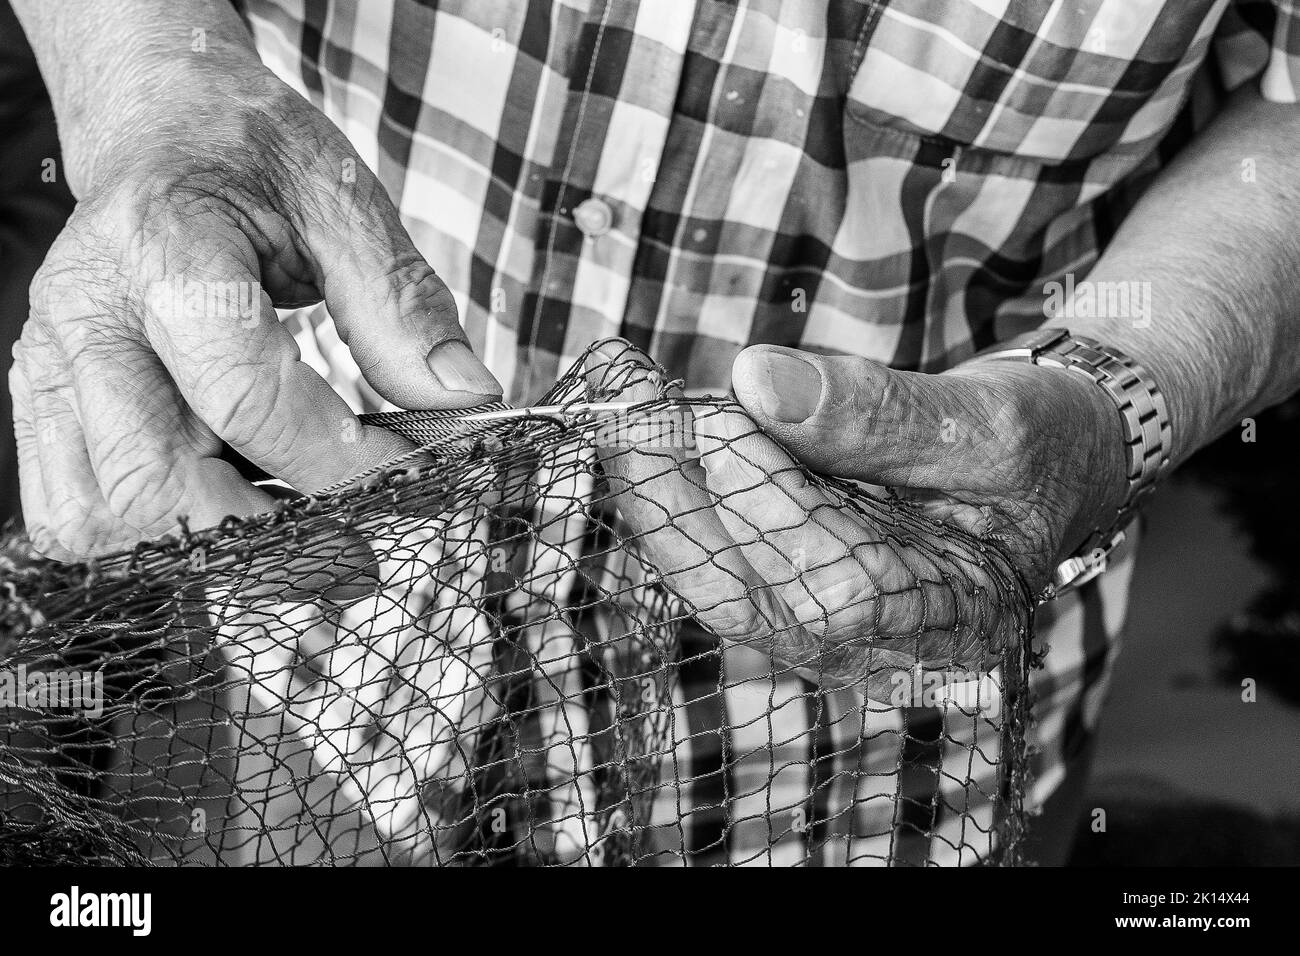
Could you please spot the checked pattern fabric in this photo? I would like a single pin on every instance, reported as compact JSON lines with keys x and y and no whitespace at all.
{"x":897,"y":179}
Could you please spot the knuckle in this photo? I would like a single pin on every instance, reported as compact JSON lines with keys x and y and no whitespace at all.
{"x":74,"y":293}
{"x":95,"y":343}
{"x":140,"y":484}
{"x":237,"y":402}
{"x":41,"y":290}
{"x":78,"y":531}
{"x":190,"y":199}
{"x":441,"y":302}
{"x":736,"y":619}
{"x":412,"y":287}
{"x":860,"y":386}
{"x":859,"y":397}
{"x":58,"y":285}
{"x":18,"y":373}
{"x":37,"y":364}
{"x":139,"y":492}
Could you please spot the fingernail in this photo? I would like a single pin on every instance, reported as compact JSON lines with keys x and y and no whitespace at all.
{"x":790,"y":389}
{"x":459,"y":370}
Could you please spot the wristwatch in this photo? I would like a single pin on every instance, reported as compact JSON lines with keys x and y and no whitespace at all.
{"x":1147,"y":437}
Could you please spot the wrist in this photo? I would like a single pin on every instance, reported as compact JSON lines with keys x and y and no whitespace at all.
{"x":1105,"y":488}
{"x":1061,"y":456}
{"x":1189,"y":396}
{"x":171,"y":106}
{"x":121,"y":74}
{"x":1119,"y":440}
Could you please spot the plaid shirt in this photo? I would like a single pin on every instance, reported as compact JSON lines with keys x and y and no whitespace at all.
{"x":897,"y":179}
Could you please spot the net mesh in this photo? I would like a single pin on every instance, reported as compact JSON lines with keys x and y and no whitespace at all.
{"x":624,"y":629}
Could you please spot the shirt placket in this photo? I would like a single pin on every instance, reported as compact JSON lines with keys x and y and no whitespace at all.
{"x":614,"y":126}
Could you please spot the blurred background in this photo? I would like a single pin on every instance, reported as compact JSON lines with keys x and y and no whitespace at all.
{"x":1199,"y":756}
{"x":34,"y":202}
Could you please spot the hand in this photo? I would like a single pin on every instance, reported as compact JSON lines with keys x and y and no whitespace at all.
{"x":1026,"y":457}
{"x":153,"y":337}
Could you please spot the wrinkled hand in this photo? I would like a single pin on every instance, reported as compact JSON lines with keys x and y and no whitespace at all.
{"x":153,"y":337}
{"x":1024,"y":457}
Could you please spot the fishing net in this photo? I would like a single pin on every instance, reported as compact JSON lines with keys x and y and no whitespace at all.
{"x":622,"y":627}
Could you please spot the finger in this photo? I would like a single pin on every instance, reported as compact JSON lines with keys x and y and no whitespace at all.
{"x":241,"y":373}
{"x":151,"y":458}
{"x":876,"y":591}
{"x":78,"y":516}
{"x":843,"y":576}
{"x":31,"y":487}
{"x":77,"y":512}
{"x":164,"y":468}
{"x":154,"y":462}
{"x":122,"y":421}
{"x":396,"y":316}
{"x":160,"y":473}
{"x":852,"y":417}
{"x":661,"y":495}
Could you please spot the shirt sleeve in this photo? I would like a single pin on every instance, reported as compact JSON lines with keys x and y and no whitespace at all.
{"x":1260,"y":40}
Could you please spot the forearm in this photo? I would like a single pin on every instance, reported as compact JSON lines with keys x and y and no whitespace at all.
{"x":1219,"y":252}
{"x":104,"y":62}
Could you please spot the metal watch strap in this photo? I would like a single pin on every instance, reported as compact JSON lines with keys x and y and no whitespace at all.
{"x":1145,"y":419}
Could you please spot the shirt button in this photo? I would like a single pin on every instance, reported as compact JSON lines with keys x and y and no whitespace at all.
{"x":594,"y":217}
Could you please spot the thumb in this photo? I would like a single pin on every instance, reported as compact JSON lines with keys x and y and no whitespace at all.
{"x":855,"y":418}
{"x":396,"y":316}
